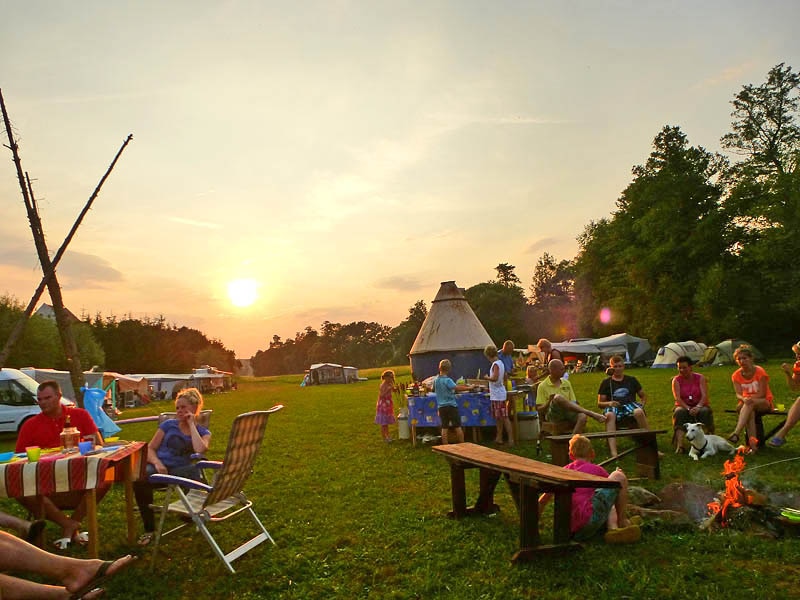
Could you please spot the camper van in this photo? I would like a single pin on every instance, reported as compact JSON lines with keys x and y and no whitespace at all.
{"x":18,"y":399}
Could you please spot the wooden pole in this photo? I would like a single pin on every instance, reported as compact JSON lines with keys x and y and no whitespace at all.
{"x":48,"y":270}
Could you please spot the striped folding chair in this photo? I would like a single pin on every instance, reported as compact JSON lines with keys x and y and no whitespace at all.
{"x":201,"y":504}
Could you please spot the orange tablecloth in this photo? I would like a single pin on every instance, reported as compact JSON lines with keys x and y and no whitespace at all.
{"x":74,"y":472}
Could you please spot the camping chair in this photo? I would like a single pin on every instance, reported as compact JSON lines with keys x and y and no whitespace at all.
{"x":205,"y":504}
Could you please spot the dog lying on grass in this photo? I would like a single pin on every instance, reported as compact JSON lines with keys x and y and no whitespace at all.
{"x":704,"y":444}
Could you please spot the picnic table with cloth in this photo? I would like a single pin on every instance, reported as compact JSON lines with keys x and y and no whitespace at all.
{"x":474,"y":410}
{"x":55,"y":472}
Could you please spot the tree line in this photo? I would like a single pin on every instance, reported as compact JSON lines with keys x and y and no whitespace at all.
{"x":124,"y":345}
{"x":700,"y":246}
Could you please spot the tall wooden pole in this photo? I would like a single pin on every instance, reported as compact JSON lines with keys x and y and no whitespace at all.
{"x":48,"y":265}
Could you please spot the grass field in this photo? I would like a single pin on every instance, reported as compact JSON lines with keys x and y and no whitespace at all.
{"x":356,"y":518}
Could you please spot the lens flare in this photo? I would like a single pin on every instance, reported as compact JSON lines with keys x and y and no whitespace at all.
{"x":605,"y":316}
{"x":243,"y":292}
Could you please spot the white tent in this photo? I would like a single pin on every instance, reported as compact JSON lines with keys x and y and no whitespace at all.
{"x":669,"y":353}
{"x":633,"y":349}
{"x":62,"y":377}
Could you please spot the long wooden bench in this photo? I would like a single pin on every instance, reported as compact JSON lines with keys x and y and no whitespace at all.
{"x":763,"y":437}
{"x":646,"y":448}
{"x":527,"y":478}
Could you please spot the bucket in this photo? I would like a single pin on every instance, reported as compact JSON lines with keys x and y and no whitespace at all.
{"x":403,"y":431}
{"x":528,"y":425}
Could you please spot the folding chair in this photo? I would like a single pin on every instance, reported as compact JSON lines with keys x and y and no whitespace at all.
{"x":224,"y":499}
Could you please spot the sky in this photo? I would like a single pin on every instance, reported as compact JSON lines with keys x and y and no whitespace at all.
{"x":344,"y":156}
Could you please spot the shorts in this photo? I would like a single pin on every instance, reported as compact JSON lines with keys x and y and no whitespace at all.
{"x":603,"y":501}
{"x":624,"y":411}
{"x":449,"y":417}
{"x":499,"y":409}
{"x":681,"y":417}
{"x":557,"y":414}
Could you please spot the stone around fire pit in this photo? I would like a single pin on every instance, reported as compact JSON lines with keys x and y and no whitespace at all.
{"x":642,"y":497}
{"x":689,"y":498}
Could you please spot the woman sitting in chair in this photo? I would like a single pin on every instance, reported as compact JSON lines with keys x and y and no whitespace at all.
{"x":170,"y":451}
{"x":690,"y":391}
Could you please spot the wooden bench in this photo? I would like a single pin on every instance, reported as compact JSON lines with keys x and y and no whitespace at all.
{"x":527,"y":478}
{"x":763,"y":437}
{"x":646,"y":448}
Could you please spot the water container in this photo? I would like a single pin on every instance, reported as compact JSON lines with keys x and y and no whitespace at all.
{"x":528,"y":425}
{"x":403,"y":430}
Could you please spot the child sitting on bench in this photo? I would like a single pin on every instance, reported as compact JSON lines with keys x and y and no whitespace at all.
{"x":596,"y":509}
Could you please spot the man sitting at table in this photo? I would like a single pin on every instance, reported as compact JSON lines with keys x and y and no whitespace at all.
{"x":44,"y":430}
{"x":559,"y":398}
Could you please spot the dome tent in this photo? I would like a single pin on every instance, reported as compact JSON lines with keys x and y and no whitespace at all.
{"x":722,"y":353}
{"x":451,"y":330}
{"x":669,"y":353}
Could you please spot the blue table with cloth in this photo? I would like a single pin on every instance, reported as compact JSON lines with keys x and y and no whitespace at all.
{"x":473,"y":408}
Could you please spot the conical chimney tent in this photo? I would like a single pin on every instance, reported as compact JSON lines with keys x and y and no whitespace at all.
{"x":453,"y":331}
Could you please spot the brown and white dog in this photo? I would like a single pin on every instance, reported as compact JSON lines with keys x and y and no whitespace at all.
{"x":704,"y":444}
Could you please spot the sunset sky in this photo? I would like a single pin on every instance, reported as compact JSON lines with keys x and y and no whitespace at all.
{"x":346,"y":156}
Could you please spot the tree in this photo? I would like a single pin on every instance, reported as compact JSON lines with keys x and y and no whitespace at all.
{"x":648,"y":262}
{"x":506,"y":275}
{"x":553,"y":283}
{"x":403,"y":336}
{"x":499,"y":308}
{"x":764,"y":205}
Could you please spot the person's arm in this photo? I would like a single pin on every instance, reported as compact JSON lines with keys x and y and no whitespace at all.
{"x":737,"y":388}
{"x":544,"y":500}
{"x":200,"y":442}
{"x":703,"y":392}
{"x":642,"y":397}
{"x":792,"y":376}
{"x":676,"y":393}
{"x":152,"y":450}
{"x":604,"y":400}
{"x":494,"y":375}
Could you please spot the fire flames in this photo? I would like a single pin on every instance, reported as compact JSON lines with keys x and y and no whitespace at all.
{"x":735,"y":493}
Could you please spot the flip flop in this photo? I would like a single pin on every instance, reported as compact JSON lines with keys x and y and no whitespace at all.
{"x":35,"y":530}
{"x":98,"y":592}
{"x":63,"y":543}
{"x":733,"y":438}
{"x":100,"y":576}
{"x":81,"y":537}
{"x":145,"y":539}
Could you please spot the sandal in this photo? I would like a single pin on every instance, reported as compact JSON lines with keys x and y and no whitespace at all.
{"x":145,"y":539}
{"x":733,"y":438}
{"x":777,"y":442}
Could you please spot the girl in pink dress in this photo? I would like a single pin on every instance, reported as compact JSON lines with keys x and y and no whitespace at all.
{"x":384,"y":409}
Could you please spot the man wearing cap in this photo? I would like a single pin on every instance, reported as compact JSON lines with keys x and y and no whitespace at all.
{"x":44,"y":430}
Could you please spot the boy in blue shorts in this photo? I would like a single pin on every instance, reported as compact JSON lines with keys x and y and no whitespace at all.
{"x":596,"y":509}
{"x":445,"y":389}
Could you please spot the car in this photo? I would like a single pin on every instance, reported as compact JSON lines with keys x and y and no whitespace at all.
{"x":18,"y":399}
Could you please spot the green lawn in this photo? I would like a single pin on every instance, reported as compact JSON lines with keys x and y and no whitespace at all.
{"x":356,"y":518}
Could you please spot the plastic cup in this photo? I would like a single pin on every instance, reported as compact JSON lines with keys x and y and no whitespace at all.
{"x":781,"y":407}
{"x":86,"y":446}
{"x":33,"y":452}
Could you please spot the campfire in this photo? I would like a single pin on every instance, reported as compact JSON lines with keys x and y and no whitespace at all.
{"x":735,"y":494}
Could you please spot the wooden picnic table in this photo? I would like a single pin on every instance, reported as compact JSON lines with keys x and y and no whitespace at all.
{"x":527,"y":478}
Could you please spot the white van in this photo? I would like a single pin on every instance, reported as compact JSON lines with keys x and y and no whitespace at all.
{"x":17,"y":399}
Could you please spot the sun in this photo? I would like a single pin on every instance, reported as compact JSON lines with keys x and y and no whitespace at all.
{"x":243,"y":292}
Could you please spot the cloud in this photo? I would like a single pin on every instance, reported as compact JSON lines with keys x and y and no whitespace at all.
{"x":463,"y":120}
{"x":543,"y":244}
{"x":400,"y":283}
{"x":735,"y":73}
{"x":81,"y":270}
{"x":195,"y":223}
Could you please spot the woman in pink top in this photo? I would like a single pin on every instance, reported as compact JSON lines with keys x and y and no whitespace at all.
{"x":751,"y":384}
{"x":690,"y":391}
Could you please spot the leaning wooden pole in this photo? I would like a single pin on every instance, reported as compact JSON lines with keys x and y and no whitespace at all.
{"x":54,"y":289}
{"x":48,"y":272}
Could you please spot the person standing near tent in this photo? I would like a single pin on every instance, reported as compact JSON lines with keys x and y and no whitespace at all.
{"x":690,"y":391}
{"x":751,"y":384}
{"x":507,"y":356}
{"x":498,"y":396}
{"x":545,"y":346}
{"x":617,"y":396}
{"x":792,"y":373}
{"x":384,"y":408}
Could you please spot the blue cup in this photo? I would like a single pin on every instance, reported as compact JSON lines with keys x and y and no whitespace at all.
{"x":86,"y":447}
